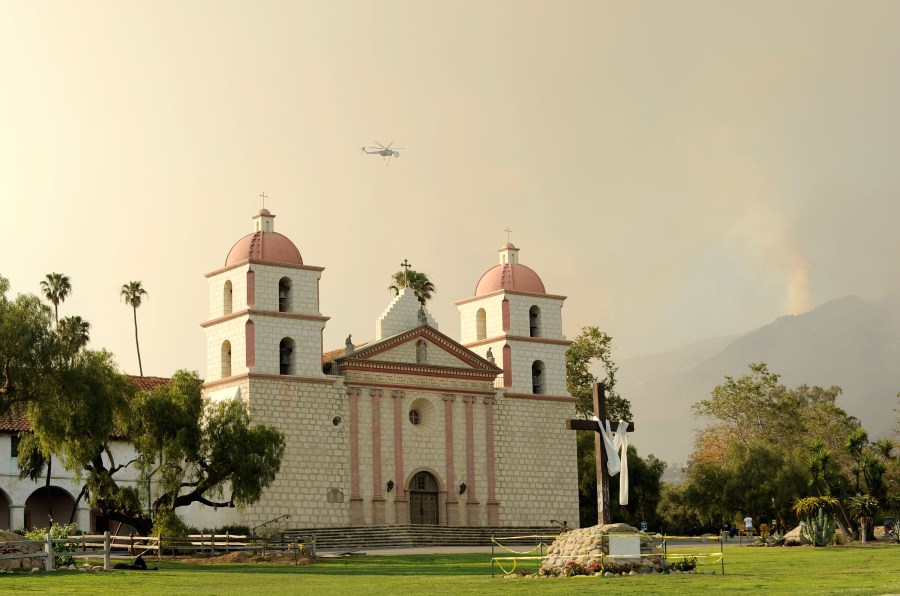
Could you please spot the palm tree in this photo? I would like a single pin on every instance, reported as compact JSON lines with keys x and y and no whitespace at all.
{"x":133,"y":294}
{"x":417,"y":281}
{"x":56,"y":289}
{"x":74,"y":332}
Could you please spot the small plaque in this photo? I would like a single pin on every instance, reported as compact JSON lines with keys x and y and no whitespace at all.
{"x":627,"y":545}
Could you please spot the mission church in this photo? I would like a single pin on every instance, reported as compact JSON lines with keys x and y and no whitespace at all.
{"x":411,"y":427}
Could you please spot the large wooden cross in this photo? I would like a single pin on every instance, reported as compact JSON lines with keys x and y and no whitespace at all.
{"x":602,"y":472}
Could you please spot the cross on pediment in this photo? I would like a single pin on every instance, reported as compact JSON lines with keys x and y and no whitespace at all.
{"x":599,"y":398}
{"x":405,"y":264}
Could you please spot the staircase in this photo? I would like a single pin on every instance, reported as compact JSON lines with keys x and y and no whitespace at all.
{"x":408,"y":536}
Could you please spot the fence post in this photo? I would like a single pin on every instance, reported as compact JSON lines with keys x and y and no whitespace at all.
{"x":106,"y":548}
{"x":48,"y":548}
{"x":212,"y":544}
{"x":227,"y":545}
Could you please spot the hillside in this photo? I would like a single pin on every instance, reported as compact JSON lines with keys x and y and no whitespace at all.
{"x":848,"y":342}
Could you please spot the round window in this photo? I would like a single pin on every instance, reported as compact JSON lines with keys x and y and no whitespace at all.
{"x":337,"y":420}
{"x":415,"y":417}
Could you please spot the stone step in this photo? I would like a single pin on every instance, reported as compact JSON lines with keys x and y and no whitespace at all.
{"x":412,"y":536}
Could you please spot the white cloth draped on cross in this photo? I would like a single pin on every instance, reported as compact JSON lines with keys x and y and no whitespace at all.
{"x":616,"y":446}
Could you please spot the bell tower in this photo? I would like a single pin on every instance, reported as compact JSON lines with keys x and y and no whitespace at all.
{"x":264,"y":310}
{"x":514,"y":321}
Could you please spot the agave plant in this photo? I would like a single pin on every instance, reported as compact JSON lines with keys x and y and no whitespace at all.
{"x":819,"y":530}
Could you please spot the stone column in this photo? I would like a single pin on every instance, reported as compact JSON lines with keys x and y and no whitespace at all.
{"x":452,"y":503}
{"x":16,"y":517}
{"x":471,"y":492}
{"x":356,"y":500}
{"x":83,"y":518}
{"x":377,"y":496}
{"x":493,"y":505}
{"x":401,"y":505}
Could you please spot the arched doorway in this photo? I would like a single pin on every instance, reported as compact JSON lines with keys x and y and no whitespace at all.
{"x":423,"y":500}
{"x":47,"y":501}
{"x":5,"y":520}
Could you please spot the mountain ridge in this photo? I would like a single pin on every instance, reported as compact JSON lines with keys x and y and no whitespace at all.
{"x":848,"y":341}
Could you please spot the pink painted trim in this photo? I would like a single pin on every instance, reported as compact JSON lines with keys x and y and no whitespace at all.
{"x":512,"y":292}
{"x":251,"y":288}
{"x":489,"y":448}
{"x":506,"y":316}
{"x":376,"y":442}
{"x":448,"y":439}
{"x":541,"y":397}
{"x":250,"y":346}
{"x":507,"y":366}
{"x":470,"y":449}
{"x":286,"y":378}
{"x":267,"y":263}
{"x":354,"y":443}
{"x":267,"y":313}
{"x":537,"y":340}
{"x":398,"y":441}
{"x":416,"y":387}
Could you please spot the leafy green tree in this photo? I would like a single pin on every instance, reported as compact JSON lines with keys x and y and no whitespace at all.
{"x":133,"y":294}
{"x":195,"y":452}
{"x":855,"y":444}
{"x":29,"y":348}
{"x":74,"y":333}
{"x":417,"y":281}
{"x":591,"y":346}
{"x":56,"y":288}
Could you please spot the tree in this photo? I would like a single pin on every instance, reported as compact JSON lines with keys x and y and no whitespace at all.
{"x":417,"y":281}
{"x":133,"y":294}
{"x":590,"y":346}
{"x":855,"y":444}
{"x":29,"y":349}
{"x":74,"y":333}
{"x":56,"y":288}
{"x":196,"y":452}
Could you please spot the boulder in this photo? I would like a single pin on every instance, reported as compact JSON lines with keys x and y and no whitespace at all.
{"x":793,"y":538}
{"x":589,"y":545}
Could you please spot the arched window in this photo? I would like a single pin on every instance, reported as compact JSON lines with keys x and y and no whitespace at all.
{"x":226,"y":359}
{"x":250,"y":343}
{"x":534,"y":321}
{"x":284,"y":294}
{"x":480,"y":324}
{"x":286,"y":357}
{"x":537,"y":377}
{"x":421,"y":352}
{"x":226,"y":298}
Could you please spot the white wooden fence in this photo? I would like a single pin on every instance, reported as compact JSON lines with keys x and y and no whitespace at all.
{"x":92,"y":546}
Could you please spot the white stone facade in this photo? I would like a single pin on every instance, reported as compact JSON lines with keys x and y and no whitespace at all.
{"x":411,"y":404}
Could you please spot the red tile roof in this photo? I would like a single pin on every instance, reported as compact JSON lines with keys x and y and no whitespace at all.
{"x":329,"y":356}
{"x":15,"y":420}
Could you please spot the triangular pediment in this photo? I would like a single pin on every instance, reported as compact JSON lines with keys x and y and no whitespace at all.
{"x":440,"y":353}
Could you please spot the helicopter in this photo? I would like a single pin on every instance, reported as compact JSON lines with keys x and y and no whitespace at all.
{"x":383,"y":151}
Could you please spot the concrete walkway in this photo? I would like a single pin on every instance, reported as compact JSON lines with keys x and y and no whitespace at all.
{"x":419,"y":550}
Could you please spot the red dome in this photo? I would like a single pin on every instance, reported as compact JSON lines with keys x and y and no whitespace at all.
{"x":510,"y":277}
{"x":270,"y":247}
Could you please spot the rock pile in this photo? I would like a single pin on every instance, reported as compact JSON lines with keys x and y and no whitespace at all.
{"x":586,"y":545}
{"x":13,"y":544}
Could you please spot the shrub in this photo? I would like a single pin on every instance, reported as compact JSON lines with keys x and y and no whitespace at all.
{"x":685,"y":564}
{"x":57,"y":531}
{"x":573,"y":568}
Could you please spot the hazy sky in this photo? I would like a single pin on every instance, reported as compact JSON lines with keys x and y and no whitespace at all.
{"x":679,"y":170}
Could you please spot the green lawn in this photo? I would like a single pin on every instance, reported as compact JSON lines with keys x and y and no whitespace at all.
{"x":799,"y":571}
